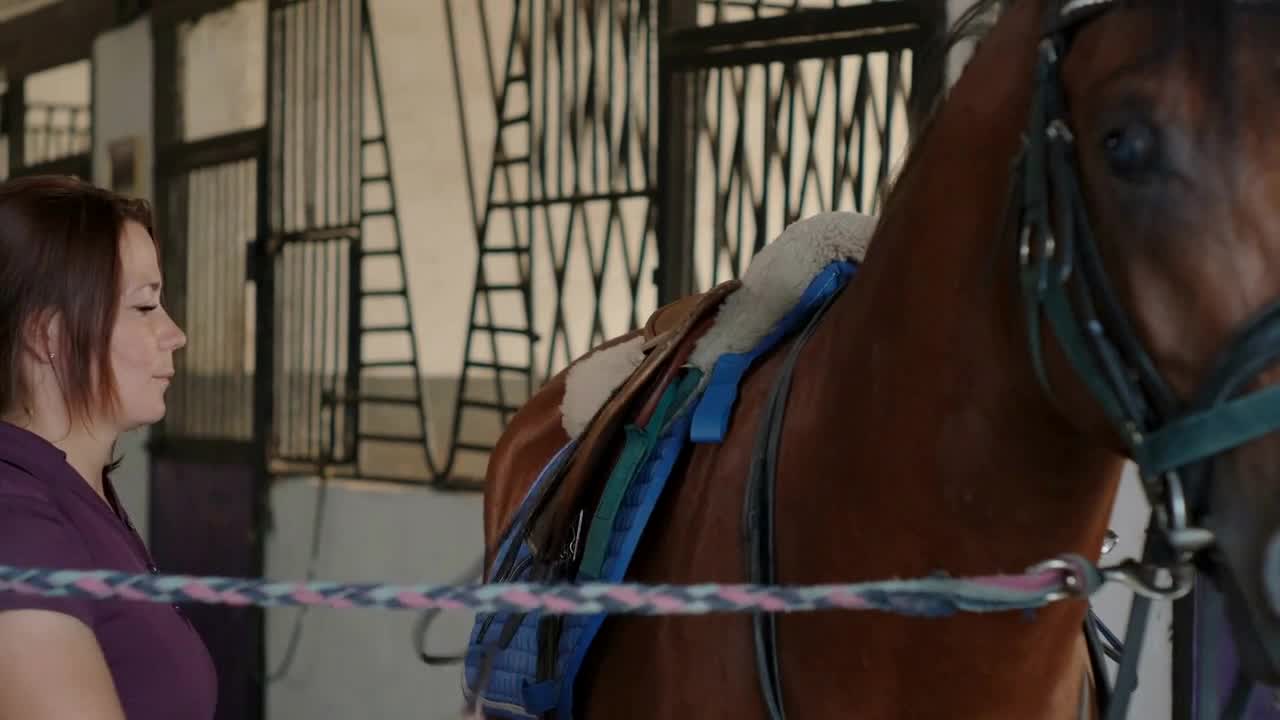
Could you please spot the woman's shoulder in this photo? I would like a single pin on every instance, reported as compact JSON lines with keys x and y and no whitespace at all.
{"x":34,"y":526}
{"x":35,"y":532}
{"x":23,"y":491}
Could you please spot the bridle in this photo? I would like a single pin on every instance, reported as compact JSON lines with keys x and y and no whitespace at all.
{"x":1064,"y":284}
{"x":1062,"y":281}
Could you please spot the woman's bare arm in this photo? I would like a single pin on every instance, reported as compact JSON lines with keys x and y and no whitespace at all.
{"x":52,"y":667}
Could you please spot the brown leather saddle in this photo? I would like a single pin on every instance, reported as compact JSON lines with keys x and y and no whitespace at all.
{"x":670,"y":335}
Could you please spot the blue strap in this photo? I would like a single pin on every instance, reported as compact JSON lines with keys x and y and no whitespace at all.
{"x":711,"y":417}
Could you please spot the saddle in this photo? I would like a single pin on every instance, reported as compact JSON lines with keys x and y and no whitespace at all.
{"x":669,"y":336}
{"x":586,"y":513}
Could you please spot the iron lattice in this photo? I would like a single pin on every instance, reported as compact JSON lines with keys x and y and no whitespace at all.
{"x":566,"y":216}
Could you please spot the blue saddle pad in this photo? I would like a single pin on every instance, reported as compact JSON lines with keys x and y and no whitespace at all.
{"x":512,"y":688}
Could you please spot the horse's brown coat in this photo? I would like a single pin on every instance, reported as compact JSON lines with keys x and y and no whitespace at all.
{"x":917,"y":440}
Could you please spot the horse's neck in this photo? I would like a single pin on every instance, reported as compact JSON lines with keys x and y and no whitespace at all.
{"x":939,"y":370}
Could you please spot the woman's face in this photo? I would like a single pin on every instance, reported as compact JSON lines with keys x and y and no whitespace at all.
{"x":144,"y":338}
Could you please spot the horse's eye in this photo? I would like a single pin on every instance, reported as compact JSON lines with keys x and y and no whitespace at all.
{"x":1132,"y":151}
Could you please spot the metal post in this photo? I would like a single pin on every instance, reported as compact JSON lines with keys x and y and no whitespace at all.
{"x":15,"y":114}
{"x":679,"y":109}
{"x":929,"y":69}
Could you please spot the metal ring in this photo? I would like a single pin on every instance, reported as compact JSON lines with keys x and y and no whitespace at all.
{"x":1073,"y":580}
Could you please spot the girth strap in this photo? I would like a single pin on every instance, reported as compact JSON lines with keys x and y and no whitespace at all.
{"x":758,"y":521}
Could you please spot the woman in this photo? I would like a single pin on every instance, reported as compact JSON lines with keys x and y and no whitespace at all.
{"x":86,"y":353}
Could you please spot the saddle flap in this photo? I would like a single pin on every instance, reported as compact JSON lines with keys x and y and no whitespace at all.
{"x":677,"y":326}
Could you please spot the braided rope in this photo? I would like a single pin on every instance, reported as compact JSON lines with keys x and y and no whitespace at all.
{"x":930,"y":597}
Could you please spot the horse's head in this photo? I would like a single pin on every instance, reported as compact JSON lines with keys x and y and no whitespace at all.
{"x":1149,"y":254}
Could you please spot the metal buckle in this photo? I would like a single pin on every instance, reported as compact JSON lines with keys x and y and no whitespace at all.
{"x":1141,"y":579}
{"x":1109,"y":541}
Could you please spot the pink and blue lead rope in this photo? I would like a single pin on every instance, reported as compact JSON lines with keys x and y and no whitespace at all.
{"x":936,"y":596}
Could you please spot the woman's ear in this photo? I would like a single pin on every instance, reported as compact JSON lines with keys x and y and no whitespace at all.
{"x":43,"y":336}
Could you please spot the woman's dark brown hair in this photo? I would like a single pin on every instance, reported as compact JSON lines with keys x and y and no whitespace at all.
{"x":60,"y":256}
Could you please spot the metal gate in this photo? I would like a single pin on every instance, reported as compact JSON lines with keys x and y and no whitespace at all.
{"x":347,"y":395}
{"x":776,"y":111}
{"x":43,"y":137}
{"x":208,"y":487}
{"x":641,"y":150}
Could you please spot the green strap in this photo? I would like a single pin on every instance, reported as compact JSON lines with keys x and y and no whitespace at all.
{"x":1204,"y":434}
{"x":1062,"y":320}
{"x":640,"y":443}
{"x":1186,"y":440}
{"x":1067,"y":329}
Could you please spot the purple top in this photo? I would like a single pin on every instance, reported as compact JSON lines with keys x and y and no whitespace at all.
{"x":50,"y":517}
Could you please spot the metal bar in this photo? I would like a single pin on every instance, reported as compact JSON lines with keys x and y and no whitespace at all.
{"x":771,"y":148}
{"x":622,"y":26}
{"x":886,"y":139}
{"x":848,"y":43}
{"x":355,"y":263}
{"x":562,"y":115}
{"x":310,"y":111}
{"x":79,"y":165}
{"x":928,"y":69}
{"x":837,"y":171}
{"x":574,"y":199}
{"x":176,"y":157}
{"x":848,"y":169}
{"x":609,"y":104}
{"x":810,"y":157}
{"x":792,"y":28}
{"x":216,"y":451}
{"x":857,"y":29}
{"x":652,"y":38}
{"x":15,"y":111}
{"x":739,"y":172}
{"x":56,"y":34}
{"x":679,"y":107}
{"x":462,"y":120}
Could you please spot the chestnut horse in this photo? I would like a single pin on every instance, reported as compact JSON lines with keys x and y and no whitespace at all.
{"x":1077,"y":266}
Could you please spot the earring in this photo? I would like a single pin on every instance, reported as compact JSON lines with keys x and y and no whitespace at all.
{"x":50,"y":357}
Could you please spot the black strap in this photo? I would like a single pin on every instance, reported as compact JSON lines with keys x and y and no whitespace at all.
{"x":1135,"y":631}
{"x":474,"y":573}
{"x":758,"y":515}
{"x":1098,"y":654}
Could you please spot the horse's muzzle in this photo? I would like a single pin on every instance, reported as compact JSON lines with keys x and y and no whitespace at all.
{"x":1271,"y":573}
